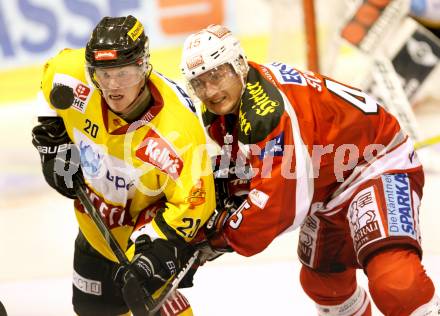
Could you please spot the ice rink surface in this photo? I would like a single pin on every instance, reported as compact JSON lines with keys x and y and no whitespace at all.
{"x":37,"y":230}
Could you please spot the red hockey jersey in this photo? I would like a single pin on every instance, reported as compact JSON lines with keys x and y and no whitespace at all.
{"x":308,"y":142}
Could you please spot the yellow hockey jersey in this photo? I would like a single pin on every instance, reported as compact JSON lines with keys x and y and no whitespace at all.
{"x":130,"y":167}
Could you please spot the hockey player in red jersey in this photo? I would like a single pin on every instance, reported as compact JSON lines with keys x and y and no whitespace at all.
{"x":316,"y":154}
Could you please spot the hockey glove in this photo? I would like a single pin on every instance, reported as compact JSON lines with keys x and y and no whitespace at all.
{"x":155,"y":262}
{"x":215,"y":243}
{"x":59,"y":156}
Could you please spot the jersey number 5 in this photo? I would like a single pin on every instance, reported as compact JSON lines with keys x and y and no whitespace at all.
{"x":357,"y":98}
{"x":237,"y":217}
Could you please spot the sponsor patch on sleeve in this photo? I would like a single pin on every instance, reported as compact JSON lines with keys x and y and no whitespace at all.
{"x":82,"y":92}
{"x":286,"y":74}
{"x":258,"y":198}
{"x":400,"y":213}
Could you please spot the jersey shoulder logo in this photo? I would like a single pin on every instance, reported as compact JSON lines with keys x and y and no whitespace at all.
{"x":286,"y":74}
{"x":82,"y":92}
{"x":155,"y":150}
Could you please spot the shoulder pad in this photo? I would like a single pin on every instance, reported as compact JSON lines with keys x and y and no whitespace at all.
{"x":183,"y":97}
{"x":260,"y":110}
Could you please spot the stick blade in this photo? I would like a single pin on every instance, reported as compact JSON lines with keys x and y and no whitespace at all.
{"x":3,"y":310}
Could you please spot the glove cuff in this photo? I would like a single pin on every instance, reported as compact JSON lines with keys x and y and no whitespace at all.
{"x":215,"y":223}
{"x":218,"y":242}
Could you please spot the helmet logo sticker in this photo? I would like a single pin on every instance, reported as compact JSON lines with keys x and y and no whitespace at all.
{"x":218,"y":30}
{"x":106,"y":55}
{"x":136,"y":31}
{"x":195,"y":61}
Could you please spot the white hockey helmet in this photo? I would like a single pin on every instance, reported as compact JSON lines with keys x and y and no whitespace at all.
{"x":210,"y":48}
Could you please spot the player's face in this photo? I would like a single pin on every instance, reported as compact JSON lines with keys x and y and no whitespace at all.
{"x":120,"y":86}
{"x":219,"y":89}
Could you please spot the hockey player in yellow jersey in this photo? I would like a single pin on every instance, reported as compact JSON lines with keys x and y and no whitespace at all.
{"x":135,"y":137}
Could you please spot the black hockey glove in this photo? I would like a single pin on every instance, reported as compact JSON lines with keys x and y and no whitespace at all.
{"x":215,"y":244}
{"x":155,"y":262}
{"x":59,"y":156}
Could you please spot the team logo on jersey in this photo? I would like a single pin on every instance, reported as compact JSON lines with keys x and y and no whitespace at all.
{"x":365,"y":223}
{"x":156,"y":151}
{"x":91,"y":161}
{"x":286,"y":74}
{"x":197,"y":195}
{"x":399,"y":205}
{"x":307,"y":240}
{"x":82,"y":92}
{"x":117,"y":122}
{"x":258,"y":198}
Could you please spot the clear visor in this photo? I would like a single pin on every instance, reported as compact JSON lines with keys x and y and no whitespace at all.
{"x":218,"y":77}
{"x":120,"y":77}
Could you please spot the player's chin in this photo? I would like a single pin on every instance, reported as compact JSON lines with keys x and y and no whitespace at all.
{"x":117,"y":106}
{"x":221,"y":108}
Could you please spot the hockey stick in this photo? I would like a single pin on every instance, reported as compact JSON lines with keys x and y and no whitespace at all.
{"x":155,"y":304}
{"x":427,"y":142}
{"x":62,"y":97}
{"x":2,"y":310}
{"x":134,"y":295}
